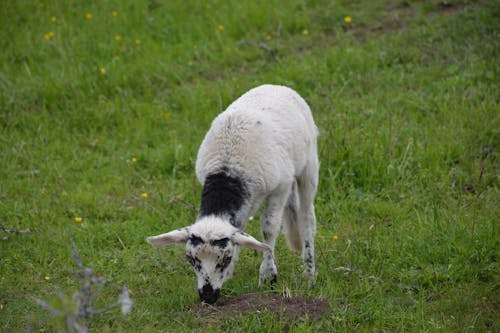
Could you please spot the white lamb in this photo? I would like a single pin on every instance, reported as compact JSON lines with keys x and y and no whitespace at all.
{"x":262,"y":148}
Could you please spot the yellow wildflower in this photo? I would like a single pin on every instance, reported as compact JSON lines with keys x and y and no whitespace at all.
{"x":49,"y":35}
{"x":133,"y":159}
{"x":47,"y":278}
{"x":220,"y":27}
{"x":118,"y":38}
{"x":114,"y":13}
{"x":88,"y":16}
{"x":335,"y":237}
{"x":78,"y":219}
{"x":102,"y":70}
{"x":347,"y":19}
{"x":53,"y":19}
{"x":305,"y":32}
{"x":144,"y":195}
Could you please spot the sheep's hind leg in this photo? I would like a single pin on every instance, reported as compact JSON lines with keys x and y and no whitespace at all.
{"x":270,"y":223}
{"x":308,"y":232}
{"x":307,"y":184}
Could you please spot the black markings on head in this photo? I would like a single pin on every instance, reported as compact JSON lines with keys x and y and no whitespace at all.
{"x":224,"y":263}
{"x":223,"y":194}
{"x":195,"y":240}
{"x":220,"y":243}
{"x":195,"y":262}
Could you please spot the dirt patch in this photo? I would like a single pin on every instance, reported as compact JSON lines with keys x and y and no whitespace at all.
{"x":450,"y":8}
{"x":294,"y":308}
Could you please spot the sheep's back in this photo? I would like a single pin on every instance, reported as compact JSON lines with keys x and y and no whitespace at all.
{"x":267,"y":135}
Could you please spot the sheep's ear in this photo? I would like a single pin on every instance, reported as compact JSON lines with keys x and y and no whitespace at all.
{"x":174,"y":236}
{"x":244,"y":239}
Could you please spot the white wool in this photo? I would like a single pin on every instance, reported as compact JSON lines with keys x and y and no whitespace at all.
{"x":212,"y":227}
{"x":267,"y":134}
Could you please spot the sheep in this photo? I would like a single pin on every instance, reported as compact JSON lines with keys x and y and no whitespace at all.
{"x":261,"y":148}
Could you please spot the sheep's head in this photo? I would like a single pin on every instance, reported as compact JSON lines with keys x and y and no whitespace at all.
{"x":210,"y":249}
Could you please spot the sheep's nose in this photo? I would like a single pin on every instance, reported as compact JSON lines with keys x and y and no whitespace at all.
{"x":208,"y":294}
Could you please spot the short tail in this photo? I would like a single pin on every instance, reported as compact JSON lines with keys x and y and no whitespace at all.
{"x":290,"y":222}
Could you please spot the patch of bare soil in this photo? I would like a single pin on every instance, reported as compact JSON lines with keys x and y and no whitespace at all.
{"x":294,"y":308}
{"x":448,"y":8}
{"x":398,"y":16}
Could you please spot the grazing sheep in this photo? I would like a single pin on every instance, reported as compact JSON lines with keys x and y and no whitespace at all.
{"x":262,"y":148}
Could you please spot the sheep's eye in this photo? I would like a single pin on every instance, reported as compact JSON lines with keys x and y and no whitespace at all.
{"x":195,"y":262}
{"x":195,"y":240}
{"x":190,"y":259}
{"x":222,"y":243}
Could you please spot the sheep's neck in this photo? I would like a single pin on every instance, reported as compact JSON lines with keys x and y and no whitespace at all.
{"x":224,"y":195}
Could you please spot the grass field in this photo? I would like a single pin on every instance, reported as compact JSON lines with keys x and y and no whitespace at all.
{"x":103,"y":105}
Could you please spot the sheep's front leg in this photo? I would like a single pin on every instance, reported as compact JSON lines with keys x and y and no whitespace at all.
{"x":270,"y":223}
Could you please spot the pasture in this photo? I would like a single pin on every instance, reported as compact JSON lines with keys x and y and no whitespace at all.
{"x":103,"y":105}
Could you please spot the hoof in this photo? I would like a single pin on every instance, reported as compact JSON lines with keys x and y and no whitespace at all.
{"x":309,"y":273}
{"x":268,"y":281}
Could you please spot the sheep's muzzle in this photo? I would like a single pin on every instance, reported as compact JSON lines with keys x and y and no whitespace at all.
{"x":208,"y":294}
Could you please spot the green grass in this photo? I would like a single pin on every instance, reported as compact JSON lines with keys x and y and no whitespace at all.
{"x":406,"y":99}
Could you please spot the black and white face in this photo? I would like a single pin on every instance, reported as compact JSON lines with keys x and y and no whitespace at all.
{"x":212,"y":260}
{"x":210,"y":248}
